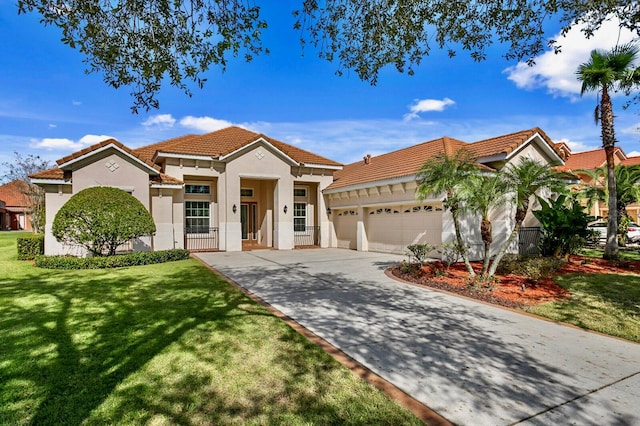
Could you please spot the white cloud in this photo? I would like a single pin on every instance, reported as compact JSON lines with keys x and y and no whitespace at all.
{"x":163,"y":120}
{"x":633,"y":154}
{"x":51,"y":144}
{"x":76,"y":103}
{"x":427,"y":105}
{"x":52,"y":126}
{"x":204,"y":124}
{"x":557,"y":72}
{"x":577,"y":146}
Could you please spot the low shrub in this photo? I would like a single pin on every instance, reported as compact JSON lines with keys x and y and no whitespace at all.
{"x":30,"y":246}
{"x":534,"y":267}
{"x":117,"y":261}
{"x":419,"y":252}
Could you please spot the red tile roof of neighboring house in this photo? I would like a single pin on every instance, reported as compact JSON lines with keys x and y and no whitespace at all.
{"x":407,"y":161}
{"x":12,"y":194}
{"x":102,"y":144}
{"x":631,"y":161}
{"x":589,"y":160}
{"x":224,"y":142}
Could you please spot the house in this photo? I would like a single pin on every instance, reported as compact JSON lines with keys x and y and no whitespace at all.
{"x":15,"y":214}
{"x":595,"y":159}
{"x":234,"y":189}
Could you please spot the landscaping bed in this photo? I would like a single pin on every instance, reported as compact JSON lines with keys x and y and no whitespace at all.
{"x":510,"y":290}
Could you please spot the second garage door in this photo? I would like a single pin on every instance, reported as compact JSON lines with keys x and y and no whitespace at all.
{"x":392,"y":229}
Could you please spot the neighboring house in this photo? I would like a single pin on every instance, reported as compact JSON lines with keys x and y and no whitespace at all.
{"x":16,"y":212}
{"x":595,"y":159}
{"x":234,"y":189}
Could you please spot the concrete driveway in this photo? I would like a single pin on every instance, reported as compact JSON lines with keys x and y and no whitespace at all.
{"x":470,"y":362}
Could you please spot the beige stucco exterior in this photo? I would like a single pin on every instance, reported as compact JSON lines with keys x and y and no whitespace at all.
{"x":269,"y":174}
{"x":257,"y":195}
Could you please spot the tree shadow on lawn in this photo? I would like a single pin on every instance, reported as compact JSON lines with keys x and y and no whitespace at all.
{"x":74,"y":340}
{"x":447,"y":354}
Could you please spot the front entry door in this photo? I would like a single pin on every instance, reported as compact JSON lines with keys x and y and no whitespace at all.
{"x":249,"y":221}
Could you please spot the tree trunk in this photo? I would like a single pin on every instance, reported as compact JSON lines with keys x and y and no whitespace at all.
{"x":465,"y":256}
{"x":608,"y":143}
{"x":486,"y":231}
{"x":505,"y":246}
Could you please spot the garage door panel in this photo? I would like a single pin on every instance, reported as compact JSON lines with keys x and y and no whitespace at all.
{"x":388,"y":231}
{"x":345,"y":224}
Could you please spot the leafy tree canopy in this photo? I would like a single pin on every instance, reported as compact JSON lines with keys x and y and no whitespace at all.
{"x":139,"y":43}
{"x":101,"y":219}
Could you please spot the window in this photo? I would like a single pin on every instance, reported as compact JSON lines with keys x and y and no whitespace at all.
{"x":246,"y":192}
{"x":299,"y":217}
{"x":197,"y":189}
{"x":300,"y":192}
{"x":197,"y":217}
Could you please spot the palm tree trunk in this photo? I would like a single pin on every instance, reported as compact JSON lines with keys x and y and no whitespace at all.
{"x":486,"y":231}
{"x":463,"y":248}
{"x":608,"y":143}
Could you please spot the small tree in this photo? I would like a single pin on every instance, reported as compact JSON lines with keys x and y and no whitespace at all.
{"x":447,"y":175}
{"x":101,"y":219}
{"x":19,"y":170}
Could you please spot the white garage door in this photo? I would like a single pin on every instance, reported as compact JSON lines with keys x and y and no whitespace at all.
{"x":345,"y":223}
{"x":392,"y":229}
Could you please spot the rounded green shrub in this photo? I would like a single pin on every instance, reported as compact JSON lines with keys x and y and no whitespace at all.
{"x":101,"y":219}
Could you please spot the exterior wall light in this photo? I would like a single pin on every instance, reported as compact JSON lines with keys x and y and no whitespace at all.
{"x":328,"y":210}
{"x":285,"y":209}
{"x":234,"y":208}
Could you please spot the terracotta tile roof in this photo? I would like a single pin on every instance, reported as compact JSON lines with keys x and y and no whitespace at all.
{"x":407,"y":161}
{"x":54,"y":173}
{"x":226,"y":141}
{"x":403,"y":162}
{"x":12,"y":194}
{"x":162,"y":178}
{"x":631,"y":161}
{"x":588,"y":160}
{"x":102,"y":144}
{"x":506,"y":144}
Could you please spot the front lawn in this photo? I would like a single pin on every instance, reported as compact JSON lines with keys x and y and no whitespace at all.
{"x":608,"y":303}
{"x":162,"y":344}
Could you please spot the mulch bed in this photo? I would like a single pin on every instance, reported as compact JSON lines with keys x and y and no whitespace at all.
{"x":513,"y":291}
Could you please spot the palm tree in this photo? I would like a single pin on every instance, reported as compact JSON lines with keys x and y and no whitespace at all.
{"x":525,"y":180}
{"x":627,"y":187}
{"x":606,"y":71}
{"x":448,"y":175}
{"x":486,"y":192}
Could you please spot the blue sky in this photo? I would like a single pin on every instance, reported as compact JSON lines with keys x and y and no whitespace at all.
{"x":50,"y":107}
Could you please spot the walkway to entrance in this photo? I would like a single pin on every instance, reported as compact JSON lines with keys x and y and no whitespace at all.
{"x":472,"y":363}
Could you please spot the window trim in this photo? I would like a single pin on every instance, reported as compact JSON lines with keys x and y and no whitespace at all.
{"x":199,"y":229}
{"x":297,"y":216}
{"x":196,"y":185}
{"x":250,"y":190}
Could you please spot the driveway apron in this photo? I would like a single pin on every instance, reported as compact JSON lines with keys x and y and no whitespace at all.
{"x":473,"y":363}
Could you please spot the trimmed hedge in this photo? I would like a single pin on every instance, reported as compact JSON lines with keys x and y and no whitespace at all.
{"x":30,"y":246}
{"x":117,"y":261}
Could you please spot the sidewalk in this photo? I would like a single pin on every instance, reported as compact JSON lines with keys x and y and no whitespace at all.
{"x":472,"y":363}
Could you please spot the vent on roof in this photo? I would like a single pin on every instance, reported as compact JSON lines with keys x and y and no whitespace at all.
{"x":367,"y":159}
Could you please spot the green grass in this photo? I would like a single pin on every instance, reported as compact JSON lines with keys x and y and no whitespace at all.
{"x":608,"y":303}
{"x":162,"y":344}
{"x":627,"y":253}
